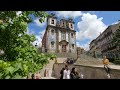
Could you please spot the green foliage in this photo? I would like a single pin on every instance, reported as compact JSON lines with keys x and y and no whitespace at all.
{"x":20,"y":56}
{"x":111,"y":60}
{"x":117,"y":62}
{"x":52,"y":56}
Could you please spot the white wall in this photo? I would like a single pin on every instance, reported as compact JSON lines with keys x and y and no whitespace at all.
{"x":59,"y":36}
{"x":67,"y":36}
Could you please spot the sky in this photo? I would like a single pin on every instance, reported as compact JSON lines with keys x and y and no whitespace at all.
{"x":88,"y":25}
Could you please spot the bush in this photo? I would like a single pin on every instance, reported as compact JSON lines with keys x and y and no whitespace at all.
{"x":117,"y":62}
{"x":111,"y":59}
{"x":117,"y":58}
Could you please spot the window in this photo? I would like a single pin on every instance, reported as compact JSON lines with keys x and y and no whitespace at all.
{"x":63,"y":35}
{"x":63,"y":24}
{"x":52,"y":44}
{"x":52,"y":22}
{"x":71,"y":26}
{"x":72,"y":35}
{"x":72,"y":46}
{"x":52,"y":32}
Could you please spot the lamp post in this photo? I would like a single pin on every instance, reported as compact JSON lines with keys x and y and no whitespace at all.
{"x":36,"y":45}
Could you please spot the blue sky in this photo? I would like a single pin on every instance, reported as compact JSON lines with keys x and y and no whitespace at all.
{"x":88,"y":24}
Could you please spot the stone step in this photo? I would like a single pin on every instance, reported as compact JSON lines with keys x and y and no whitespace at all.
{"x":48,"y":78}
{"x":93,"y":62}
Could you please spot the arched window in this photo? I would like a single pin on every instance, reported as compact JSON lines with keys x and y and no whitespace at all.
{"x":72,"y":35}
{"x":52,"y":32}
{"x":52,"y":44}
{"x":72,"y":46}
{"x":52,"y":22}
{"x":71,"y":25}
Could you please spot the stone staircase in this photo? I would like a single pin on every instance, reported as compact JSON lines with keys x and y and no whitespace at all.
{"x":49,"y":68}
{"x":88,"y":60}
{"x":66,"y":55}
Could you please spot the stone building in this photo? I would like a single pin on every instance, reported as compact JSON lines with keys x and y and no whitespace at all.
{"x":59,"y":36}
{"x":103,"y":43}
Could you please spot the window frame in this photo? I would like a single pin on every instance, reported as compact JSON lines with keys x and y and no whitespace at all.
{"x":71,"y":25}
{"x":52,"y":31}
{"x":52,"y":21}
{"x":72,"y":35}
{"x":73,"y":46}
{"x":52,"y":44}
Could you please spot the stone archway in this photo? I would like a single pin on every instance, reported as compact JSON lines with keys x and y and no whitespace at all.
{"x":64,"y":45}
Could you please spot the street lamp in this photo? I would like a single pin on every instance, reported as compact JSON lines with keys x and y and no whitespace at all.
{"x":36,"y":45}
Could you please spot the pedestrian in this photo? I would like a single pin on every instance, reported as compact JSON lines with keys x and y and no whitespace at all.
{"x":66,"y":73}
{"x":106,"y":66}
{"x":37,"y":75}
{"x":74,"y":74}
{"x":61,"y":72}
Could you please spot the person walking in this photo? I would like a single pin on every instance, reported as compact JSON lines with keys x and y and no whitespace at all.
{"x":74,"y":74}
{"x":106,"y":66}
{"x":66,"y":73}
{"x":62,"y":72}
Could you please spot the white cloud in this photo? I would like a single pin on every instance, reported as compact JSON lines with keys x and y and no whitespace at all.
{"x":90,"y":27}
{"x":85,"y":46}
{"x":42,"y":33}
{"x":29,"y":31}
{"x":78,"y":44}
{"x":39,"y":37}
{"x":38,"y":23}
{"x":68,"y":14}
{"x":38,"y":41}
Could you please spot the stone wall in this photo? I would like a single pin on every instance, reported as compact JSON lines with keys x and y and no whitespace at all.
{"x":89,"y":72}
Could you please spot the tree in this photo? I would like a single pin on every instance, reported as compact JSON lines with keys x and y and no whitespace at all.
{"x":20,"y":56}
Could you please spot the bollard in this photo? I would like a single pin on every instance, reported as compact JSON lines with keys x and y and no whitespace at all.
{"x":46,"y":73}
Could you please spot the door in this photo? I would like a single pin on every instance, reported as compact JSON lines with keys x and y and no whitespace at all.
{"x":63,"y":48}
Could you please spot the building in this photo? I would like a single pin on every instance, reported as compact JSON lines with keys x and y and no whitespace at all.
{"x":103,"y":43}
{"x":59,"y":36}
{"x":80,"y":51}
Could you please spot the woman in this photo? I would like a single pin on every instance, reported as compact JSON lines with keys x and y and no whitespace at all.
{"x":74,"y":74}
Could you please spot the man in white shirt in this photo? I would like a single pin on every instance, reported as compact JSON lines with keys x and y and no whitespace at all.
{"x":66,"y":73}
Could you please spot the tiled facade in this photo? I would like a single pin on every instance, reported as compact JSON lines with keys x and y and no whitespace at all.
{"x":59,"y":36}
